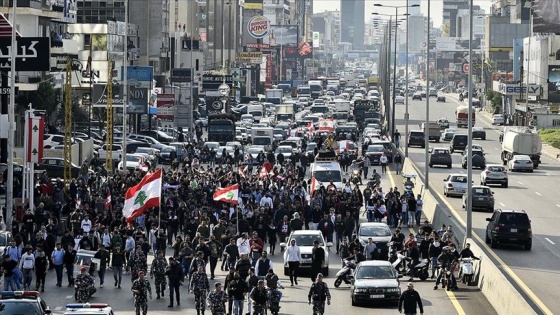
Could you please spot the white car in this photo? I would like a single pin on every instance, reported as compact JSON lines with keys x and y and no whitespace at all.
{"x":286,"y":150}
{"x":399,"y":99}
{"x":133,"y":162}
{"x":304,"y":240}
{"x":498,"y":119}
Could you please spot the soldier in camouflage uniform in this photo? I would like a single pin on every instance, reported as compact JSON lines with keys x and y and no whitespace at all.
{"x":140,"y":288}
{"x":84,"y":286}
{"x":159,"y":265}
{"x":319,"y":292}
{"x":137,"y":263}
{"x":217,"y":300}
{"x":199,"y":286}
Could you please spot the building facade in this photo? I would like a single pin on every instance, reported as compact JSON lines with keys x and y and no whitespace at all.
{"x":450,"y":10}
{"x":352,"y":23}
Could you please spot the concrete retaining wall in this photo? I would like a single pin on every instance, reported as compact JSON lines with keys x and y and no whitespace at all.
{"x":501,"y":294}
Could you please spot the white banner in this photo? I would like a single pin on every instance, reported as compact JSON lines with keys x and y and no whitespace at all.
{"x":315,"y":39}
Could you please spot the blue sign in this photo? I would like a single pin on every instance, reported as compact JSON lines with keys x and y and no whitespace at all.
{"x":142,"y":74}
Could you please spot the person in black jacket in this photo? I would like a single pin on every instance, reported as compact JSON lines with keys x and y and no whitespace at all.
{"x":317,"y":260}
{"x":409,"y":299}
{"x":175,"y":276}
{"x":69,"y":258}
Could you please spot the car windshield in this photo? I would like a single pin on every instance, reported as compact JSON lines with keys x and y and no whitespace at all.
{"x":262,"y":141}
{"x":167,"y":149}
{"x":284,"y":150}
{"x":477,"y":153}
{"x":254,"y":150}
{"x":375,"y":231}
{"x":327,"y":176}
{"x":375,"y":272}
{"x":27,"y":307}
{"x":477,"y":129}
{"x":4,"y":239}
{"x":144,"y":150}
{"x":458,"y":179}
{"x":307,"y":240}
{"x":481,"y":191}
{"x":496,"y":168}
{"x":441,"y":151}
{"x":514,"y":219}
{"x":375,"y":148}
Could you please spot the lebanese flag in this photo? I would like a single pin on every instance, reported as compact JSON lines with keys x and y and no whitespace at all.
{"x":326,"y":125}
{"x":229,"y":194}
{"x":313,"y":184}
{"x":108,"y":201}
{"x":265,"y":170}
{"x":242,"y":170}
{"x":145,"y":195}
{"x":310,"y":127}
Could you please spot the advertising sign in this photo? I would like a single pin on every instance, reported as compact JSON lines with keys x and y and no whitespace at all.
{"x":545,"y":16}
{"x":281,"y":35}
{"x":303,"y":50}
{"x":139,"y":76}
{"x":455,"y":44}
{"x":254,"y":57}
{"x":213,"y":82}
{"x":257,"y":46}
{"x":316,"y":39}
{"x":165,"y":106}
{"x":181,"y":75}
{"x":253,"y":5}
{"x":516,"y":89}
{"x":100,"y":95}
{"x":554,"y":84}
{"x":258,"y":26}
{"x":138,"y":99}
{"x":32,"y":53}
{"x":268,"y":68}
{"x":36,"y":125}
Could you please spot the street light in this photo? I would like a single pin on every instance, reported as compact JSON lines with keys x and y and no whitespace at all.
{"x":395,"y":67}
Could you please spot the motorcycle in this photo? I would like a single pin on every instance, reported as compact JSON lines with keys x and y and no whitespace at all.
{"x":346,"y":273}
{"x":447,"y":279}
{"x":467,"y":270}
{"x":273,"y":303}
{"x":356,"y":178}
{"x":409,"y":184}
{"x":420,"y":270}
{"x":373,"y":182}
{"x":396,"y":258}
{"x":259,"y":310}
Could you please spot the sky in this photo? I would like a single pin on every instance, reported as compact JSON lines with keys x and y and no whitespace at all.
{"x":436,"y":7}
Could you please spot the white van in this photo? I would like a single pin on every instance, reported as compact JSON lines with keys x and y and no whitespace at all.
{"x":326,"y":170}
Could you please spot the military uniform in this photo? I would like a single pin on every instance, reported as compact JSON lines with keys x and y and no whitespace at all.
{"x":141,"y":298}
{"x":158,"y":271}
{"x":199,"y":286}
{"x":137,"y":263}
{"x":217,"y":302}
{"x":318,"y":294}
{"x":84,"y":282}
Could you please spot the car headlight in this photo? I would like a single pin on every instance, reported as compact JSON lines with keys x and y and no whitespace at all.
{"x":393,"y":290}
{"x":360,"y":290}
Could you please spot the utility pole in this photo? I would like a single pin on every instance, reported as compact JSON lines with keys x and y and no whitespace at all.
{"x":11,"y":122}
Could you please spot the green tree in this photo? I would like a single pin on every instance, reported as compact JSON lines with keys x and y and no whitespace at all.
{"x":79,"y":113}
{"x":44,"y":98}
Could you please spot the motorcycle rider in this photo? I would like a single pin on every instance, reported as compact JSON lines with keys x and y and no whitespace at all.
{"x":413,"y":255}
{"x":273,"y":283}
{"x":449,"y":236}
{"x":357,"y":166}
{"x":467,"y":252}
{"x":434,"y":251}
{"x":84,"y":286}
{"x":447,"y":260}
{"x":358,"y":256}
{"x":375,"y":177}
{"x":258,"y":297}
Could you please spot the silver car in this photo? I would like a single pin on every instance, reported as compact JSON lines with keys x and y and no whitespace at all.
{"x":494,"y":174}
{"x":455,"y":185}
{"x":521,"y":163}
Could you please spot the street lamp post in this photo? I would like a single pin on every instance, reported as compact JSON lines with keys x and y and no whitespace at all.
{"x":469,"y":122}
{"x":406,"y":92}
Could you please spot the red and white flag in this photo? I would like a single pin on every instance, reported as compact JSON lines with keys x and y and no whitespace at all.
{"x":242,"y":170}
{"x":145,"y":195}
{"x":314,"y":184}
{"x":108,"y":201}
{"x":229,"y":194}
{"x":265,"y":170}
{"x":326,"y":125}
{"x":310,"y":127}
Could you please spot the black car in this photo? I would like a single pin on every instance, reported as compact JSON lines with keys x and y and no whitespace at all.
{"x":168,"y":154}
{"x":23,"y":302}
{"x":440,"y":156}
{"x":416,"y":138}
{"x":375,"y":281}
{"x":478,"y":159}
{"x":458,"y":143}
{"x":482,"y":198}
{"x":478,"y":133}
{"x":158,"y":135}
{"x":375,"y":151}
{"x":509,"y":227}
{"x":55,"y":167}
{"x":440,"y":98}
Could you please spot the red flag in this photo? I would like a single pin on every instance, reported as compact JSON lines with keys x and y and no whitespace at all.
{"x":229,"y":194}
{"x":310,"y":127}
{"x":313,"y":184}
{"x":265,"y":170}
{"x":242,"y":170}
{"x":108,"y":201}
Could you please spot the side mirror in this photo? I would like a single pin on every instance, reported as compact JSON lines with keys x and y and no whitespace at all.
{"x":489,"y":219}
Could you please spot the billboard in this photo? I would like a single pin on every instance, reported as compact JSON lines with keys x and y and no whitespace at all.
{"x":456,"y":44}
{"x":254,"y":57}
{"x":303,"y":50}
{"x":32,"y":53}
{"x":253,"y":5}
{"x":258,"y":27}
{"x":165,"y":106}
{"x":546,"y":16}
{"x":554,"y":84}
{"x":138,"y":99}
{"x":281,"y":35}
{"x":139,"y":76}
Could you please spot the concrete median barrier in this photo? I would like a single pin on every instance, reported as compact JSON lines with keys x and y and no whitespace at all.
{"x":501,"y":294}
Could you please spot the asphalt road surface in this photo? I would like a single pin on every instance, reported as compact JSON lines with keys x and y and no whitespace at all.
{"x":534,"y":272}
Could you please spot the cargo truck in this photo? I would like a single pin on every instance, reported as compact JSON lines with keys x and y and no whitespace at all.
{"x":462,"y":116}
{"x":521,"y":141}
{"x":262,"y":136}
{"x":221,"y":128}
{"x":284,"y":112}
{"x":433,"y":131}
{"x":274,"y":96}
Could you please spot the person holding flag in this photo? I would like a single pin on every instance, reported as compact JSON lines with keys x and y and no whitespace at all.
{"x":145,"y":195}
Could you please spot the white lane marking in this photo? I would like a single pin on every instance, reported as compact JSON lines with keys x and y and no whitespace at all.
{"x":548,"y":239}
{"x":501,"y":204}
{"x":461,"y":172}
{"x":496,"y":149}
{"x":547,"y":174}
{"x":58,"y":308}
{"x":558,"y":205}
{"x":69,"y":297}
{"x":538,"y":193}
{"x":520,"y":183}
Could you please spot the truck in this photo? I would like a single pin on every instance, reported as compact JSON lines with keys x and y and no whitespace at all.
{"x":274,"y":96}
{"x":433,"y":131}
{"x":316,"y":89}
{"x":303,"y":91}
{"x":221,"y":128}
{"x":462,"y":116}
{"x":262,"y":136}
{"x":284,"y":112}
{"x":257,"y":110}
{"x":521,"y":141}
{"x":342,"y":106}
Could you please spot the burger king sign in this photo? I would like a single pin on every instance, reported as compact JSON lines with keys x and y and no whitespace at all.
{"x":258,"y":26}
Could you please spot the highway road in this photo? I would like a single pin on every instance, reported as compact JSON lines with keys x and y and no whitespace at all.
{"x":467,"y":300}
{"x":536,"y":272}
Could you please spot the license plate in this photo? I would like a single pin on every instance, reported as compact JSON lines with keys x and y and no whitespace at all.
{"x":480,"y":198}
{"x":306,"y":261}
{"x":376,"y":296}
{"x":513,"y":230}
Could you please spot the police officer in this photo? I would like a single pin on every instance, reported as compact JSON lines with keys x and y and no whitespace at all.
{"x":199,"y":286}
{"x":140,"y":289}
{"x":159,"y":265}
{"x":176,"y":277}
{"x":319,"y":292}
{"x":217,"y":300}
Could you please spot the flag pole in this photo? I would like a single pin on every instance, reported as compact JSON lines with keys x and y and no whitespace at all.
{"x":160,"y":197}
